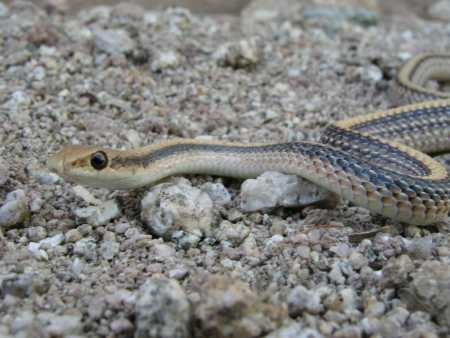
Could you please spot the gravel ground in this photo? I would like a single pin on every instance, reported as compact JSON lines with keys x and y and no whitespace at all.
{"x":204,"y":256}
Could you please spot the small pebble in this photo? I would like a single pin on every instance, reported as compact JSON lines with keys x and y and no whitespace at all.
{"x":162,"y":310}
{"x":421,"y":248}
{"x":36,"y":202}
{"x":233,"y":233}
{"x":273,"y":189}
{"x":99,"y":215}
{"x":64,"y":325}
{"x":301,"y":299}
{"x":163,"y":251}
{"x":217,"y":192}
{"x":109,"y":249}
{"x":122,"y":227}
{"x":35,"y":234}
{"x":44,"y":176}
{"x":241,"y":54}
{"x":113,"y":41}
{"x":86,"y":247}
{"x":14,"y":211}
{"x":37,"y":252}
{"x":73,"y":235}
{"x":23,"y":321}
{"x":358,"y":260}
{"x":122,"y":327}
{"x":371,"y":74}
{"x":164,"y":60}
{"x":179,"y":273}
{"x":52,"y":242}
{"x":85,"y":195}
{"x":396,"y":271}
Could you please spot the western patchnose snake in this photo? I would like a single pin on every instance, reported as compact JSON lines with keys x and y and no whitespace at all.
{"x":376,"y":161}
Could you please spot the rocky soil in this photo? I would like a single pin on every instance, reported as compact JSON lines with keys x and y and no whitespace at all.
{"x":201,"y":256}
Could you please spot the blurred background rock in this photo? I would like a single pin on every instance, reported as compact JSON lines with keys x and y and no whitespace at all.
{"x":437,"y":9}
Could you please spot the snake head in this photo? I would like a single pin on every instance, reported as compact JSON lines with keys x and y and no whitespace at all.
{"x":84,"y":165}
{"x":105,"y":168}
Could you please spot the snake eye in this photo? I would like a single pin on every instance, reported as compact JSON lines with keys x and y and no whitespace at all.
{"x":99,"y":160}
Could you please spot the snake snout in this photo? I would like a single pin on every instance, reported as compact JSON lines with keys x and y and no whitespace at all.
{"x":55,"y":164}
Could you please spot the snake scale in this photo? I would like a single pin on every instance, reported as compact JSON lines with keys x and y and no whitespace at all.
{"x":376,"y":161}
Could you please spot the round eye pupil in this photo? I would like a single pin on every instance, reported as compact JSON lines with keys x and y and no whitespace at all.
{"x":99,"y":160}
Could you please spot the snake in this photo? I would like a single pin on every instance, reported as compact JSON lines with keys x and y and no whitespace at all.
{"x":380,"y":161}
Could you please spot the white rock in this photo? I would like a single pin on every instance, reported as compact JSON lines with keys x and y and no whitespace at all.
{"x":233,"y":233}
{"x":23,"y":321}
{"x":163,"y":251}
{"x":358,"y":260}
{"x":39,"y":73}
{"x":35,"y":234}
{"x":336,"y":275}
{"x":301,"y":299}
{"x":273,"y":189}
{"x":38,"y":249}
{"x":440,"y":10}
{"x":34,"y":249}
{"x":36,"y":201}
{"x":99,"y":215}
{"x":113,"y":41}
{"x":78,"y":266}
{"x":78,"y":32}
{"x":342,"y":250}
{"x":186,"y":241}
{"x":109,"y":249}
{"x":170,"y":207}
{"x":64,"y":325}
{"x":348,"y":299}
{"x":178,"y":273}
{"x":218,"y":193}
{"x":14,"y":210}
{"x":52,"y":242}
{"x":165,"y":59}
{"x":44,"y":176}
{"x":151,"y":18}
{"x":86,"y":247}
{"x":73,"y":235}
{"x":371,"y":74}
{"x":85,"y":195}
{"x":250,"y":247}
{"x":133,"y":137}
{"x":19,"y":99}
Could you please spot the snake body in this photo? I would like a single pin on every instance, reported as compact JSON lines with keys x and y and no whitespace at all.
{"x":376,"y":161}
